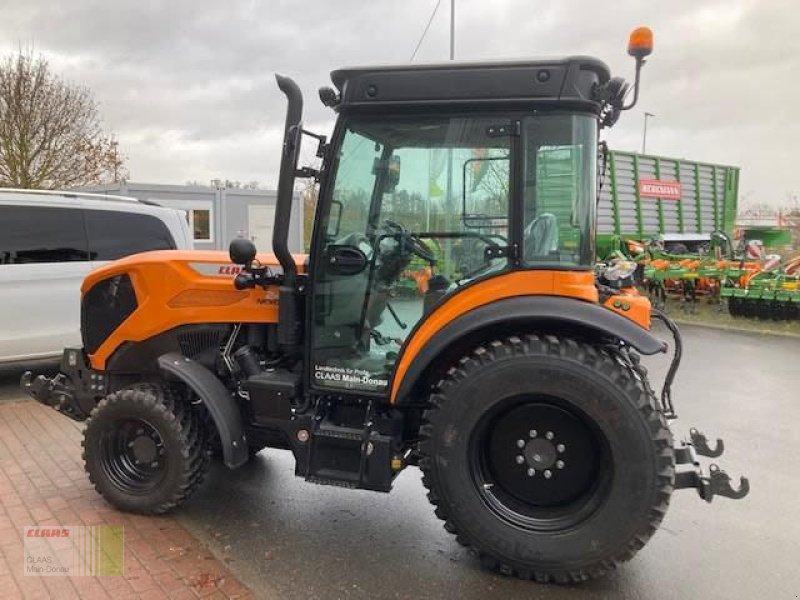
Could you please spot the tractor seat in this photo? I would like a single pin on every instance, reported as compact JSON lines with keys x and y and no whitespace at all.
{"x":541,"y":237}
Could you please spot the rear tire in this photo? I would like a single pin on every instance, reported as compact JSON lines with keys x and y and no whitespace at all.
{"x":144,"y":450}
{"x":600,"y":453}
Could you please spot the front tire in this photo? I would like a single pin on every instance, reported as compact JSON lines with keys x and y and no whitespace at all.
{"x":144,"y":451}
{"x":597,"y":466}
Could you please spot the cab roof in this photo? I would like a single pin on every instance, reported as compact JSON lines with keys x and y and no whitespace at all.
{"x":569,"y":82}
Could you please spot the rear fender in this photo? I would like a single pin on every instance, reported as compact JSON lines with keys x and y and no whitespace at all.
{"x":217,"y":400}
{"x":522,"y":313}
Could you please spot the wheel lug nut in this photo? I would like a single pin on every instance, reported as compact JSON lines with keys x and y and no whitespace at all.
{"x":560,"y":448}
{"x":520,"y":459}
{"x":533,"y":433}
{"x":531,"y":472}
{"x":140,"y":431}
{"x":154,"y":464}
{"x":548,"y":474}
{"x":559,"y":464}
{"x":549,"y":435}
{"x":130,"y":444}
{"x":520,"y":443}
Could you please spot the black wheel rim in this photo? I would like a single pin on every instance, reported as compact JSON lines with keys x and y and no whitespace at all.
{"x":540,"y":464}
{"x":132,"y":456}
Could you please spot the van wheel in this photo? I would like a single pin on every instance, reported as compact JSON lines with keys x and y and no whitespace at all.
{"x":545,"y":457}
{"x":144,"y":450}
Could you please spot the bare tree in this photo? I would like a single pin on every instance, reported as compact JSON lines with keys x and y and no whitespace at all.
{"x":50,"y":134}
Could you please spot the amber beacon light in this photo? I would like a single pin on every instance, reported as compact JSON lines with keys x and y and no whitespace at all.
{"x":640,"y":43}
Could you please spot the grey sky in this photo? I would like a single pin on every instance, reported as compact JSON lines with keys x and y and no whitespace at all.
{"x":188,"y":86}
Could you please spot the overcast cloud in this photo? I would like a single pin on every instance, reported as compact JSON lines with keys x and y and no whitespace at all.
{"x":188,"y":86}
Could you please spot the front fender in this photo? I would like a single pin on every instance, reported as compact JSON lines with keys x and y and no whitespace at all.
{"x":524,"y":311}
{"x":221,"y":406}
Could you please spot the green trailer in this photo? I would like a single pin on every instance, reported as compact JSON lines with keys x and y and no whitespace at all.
{"x":679,"y":201}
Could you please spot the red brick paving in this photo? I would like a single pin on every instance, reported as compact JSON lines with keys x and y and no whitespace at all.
{"x":42,"y":482}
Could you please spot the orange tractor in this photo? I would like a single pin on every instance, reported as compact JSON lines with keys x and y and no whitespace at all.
{"x":514,"y":383}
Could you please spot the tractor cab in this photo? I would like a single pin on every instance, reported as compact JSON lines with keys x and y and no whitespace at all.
{"x":431,"y":184}
{"x":419,"y":202}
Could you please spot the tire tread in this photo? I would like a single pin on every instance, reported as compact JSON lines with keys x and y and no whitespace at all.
{"x":597,"y":359}
{"x":168,"y":406}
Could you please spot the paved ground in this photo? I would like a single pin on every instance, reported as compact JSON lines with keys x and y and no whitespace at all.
{"x":42,"y":482}
{"x":289,"y":539}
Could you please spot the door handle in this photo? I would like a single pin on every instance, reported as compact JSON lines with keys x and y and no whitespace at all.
{"x":346,"y":260}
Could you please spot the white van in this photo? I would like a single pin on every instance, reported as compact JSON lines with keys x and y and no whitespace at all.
{"x":49,"y":241}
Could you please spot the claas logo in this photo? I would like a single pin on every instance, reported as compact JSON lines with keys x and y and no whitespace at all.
{"x":229,"y":270}
{"x":48,"y":532}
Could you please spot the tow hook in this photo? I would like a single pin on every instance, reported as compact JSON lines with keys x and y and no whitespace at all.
{"x":717,"y":482}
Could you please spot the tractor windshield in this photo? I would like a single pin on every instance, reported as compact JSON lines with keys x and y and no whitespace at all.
{"x":418,"y":208}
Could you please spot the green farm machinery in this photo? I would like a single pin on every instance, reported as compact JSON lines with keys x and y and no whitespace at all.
{"x":767,"y":294}
{"x":714,"y":265}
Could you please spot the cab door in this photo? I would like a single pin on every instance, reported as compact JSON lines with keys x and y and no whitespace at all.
{"x":410,"y":208}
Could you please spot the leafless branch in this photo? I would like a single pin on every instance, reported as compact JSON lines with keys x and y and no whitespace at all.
{"x":50,"y":134}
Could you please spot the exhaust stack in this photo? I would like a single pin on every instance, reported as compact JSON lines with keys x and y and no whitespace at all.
{"x":291,"y":146}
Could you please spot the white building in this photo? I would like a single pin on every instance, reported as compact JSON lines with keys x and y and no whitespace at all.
{"x":218,"y":215}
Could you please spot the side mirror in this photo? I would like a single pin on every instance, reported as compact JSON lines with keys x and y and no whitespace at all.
{"x":473,"y":172}
{"x":242,"y":251}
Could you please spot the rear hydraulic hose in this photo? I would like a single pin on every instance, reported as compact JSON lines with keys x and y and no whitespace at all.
{"x":666,"y":391}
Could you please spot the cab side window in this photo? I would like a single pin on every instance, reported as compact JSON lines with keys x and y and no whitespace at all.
{"x":38,"y":234}
{"x":560,"y":197}
{"x":114,"y":234}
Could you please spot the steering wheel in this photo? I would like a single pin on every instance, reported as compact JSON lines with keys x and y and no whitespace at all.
{"x":410,"y":242}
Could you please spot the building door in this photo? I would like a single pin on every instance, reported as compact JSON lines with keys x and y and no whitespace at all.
{"x":260,"y":218}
